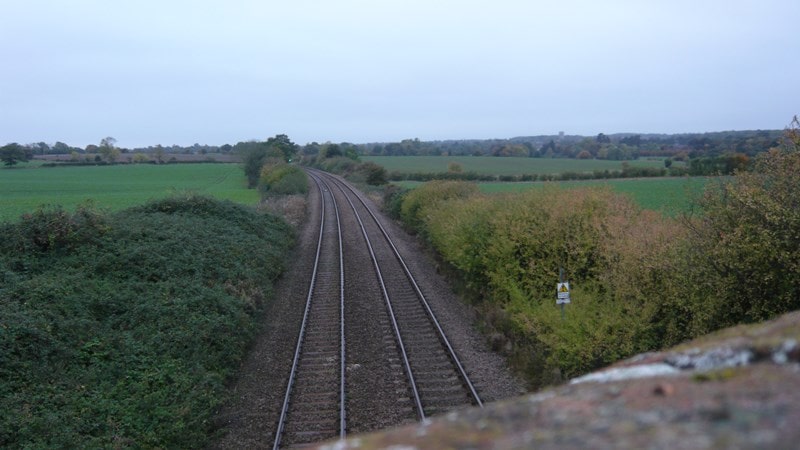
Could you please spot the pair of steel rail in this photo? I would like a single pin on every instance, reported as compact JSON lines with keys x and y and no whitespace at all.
{"x":325,"y":183}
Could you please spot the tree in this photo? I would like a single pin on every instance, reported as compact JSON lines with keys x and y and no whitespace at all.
{"x":61,"y":148}
{"x":748,"y":241}
{"x":14,"y":153}
{"x":282,"y":143}
{"x":107,"y":149}
{"x":255,"y":154}
{"x":375,"y":174}
{"x":331,"y":151}
{"x":108,"y":142}
{"x":158,"y":153}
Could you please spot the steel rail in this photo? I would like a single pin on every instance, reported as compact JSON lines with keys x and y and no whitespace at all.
{"x":453,"y":356}
{"x":342,"y":359}
{"x":395,"y":326}
{"x":301,"y":334}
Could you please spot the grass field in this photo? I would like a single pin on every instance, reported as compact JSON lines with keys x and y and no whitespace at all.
{"x":672,"y":196}
{"x":502,"y":166}
{"x":27,"y":186}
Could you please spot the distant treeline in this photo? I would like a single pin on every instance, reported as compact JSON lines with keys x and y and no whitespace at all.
{"x":621,"y":146}
{"x":705,"y":153}
{"x":612,"y":147}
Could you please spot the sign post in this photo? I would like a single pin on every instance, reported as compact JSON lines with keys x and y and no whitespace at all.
{"x":562,"y":292}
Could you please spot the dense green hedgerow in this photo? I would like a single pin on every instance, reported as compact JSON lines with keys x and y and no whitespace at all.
{"x":509,"y":250}
{"x":119,"y":330}
{"x":640,"y":281}
{"x":283,"y":179}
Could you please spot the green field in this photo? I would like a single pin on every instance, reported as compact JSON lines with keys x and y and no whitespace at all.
{"x":502,"y":166}
{"x":28,"y":186}
{"x":669,"y":195}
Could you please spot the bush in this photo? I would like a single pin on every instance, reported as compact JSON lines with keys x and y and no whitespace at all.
{"x":640,"y":281}
{"x":418,"y":203}
{"x":283,"y":179}
{"x":508,"y":250}
{"x":123,"y":332}
{"x":52,"y":229}
{"x":747,"y":243}
{"x":374,"y":174}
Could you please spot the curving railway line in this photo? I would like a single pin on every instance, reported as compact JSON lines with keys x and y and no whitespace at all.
{"x":370,"y":351}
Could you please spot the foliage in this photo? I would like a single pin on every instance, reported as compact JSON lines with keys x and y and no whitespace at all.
{"x":619,"y":147}
{"x":255,"y":154}
{"x":349,"y":167}
{"x":509,"y":250}
{"x":374,"y":174}
{"x":420,"y":202}
{"x":747,"y":243}
{"x":640,"y":280}
{"x":13,"y":153}
{"x":282,"y":179}
{"x":727,"y":164}
{"x":454,"y":167}
{"x":120,"y":330}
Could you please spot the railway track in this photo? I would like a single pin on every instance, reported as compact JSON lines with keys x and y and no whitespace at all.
{"x":433,"y":368}
{"x":421,"y":374}
{"x":314,"y":404}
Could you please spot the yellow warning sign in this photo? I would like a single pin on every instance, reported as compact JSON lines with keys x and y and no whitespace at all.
{"x":563,"y":293}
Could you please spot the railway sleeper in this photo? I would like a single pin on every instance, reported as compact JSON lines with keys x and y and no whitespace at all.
{"x":321,"y":353}
{"x":442,"y":372}
{"x":321,"y":398}
{"x":452,"y":384}
{"x":421,"y":339}
{"x":298,"y":438}
{"x":313,"y":416}
{"x":431,"y":362}
{"x":329,"y":354}
{"x":320,"y":385}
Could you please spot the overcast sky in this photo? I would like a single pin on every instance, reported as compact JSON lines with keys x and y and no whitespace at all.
{"x":214,"y":72}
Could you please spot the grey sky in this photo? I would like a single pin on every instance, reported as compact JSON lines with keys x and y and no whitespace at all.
{"x":214,"y":72}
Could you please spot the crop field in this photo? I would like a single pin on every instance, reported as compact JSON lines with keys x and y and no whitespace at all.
{"x":502,"y":166}
{"x":28,"y":186}
{"x":671,"y":196}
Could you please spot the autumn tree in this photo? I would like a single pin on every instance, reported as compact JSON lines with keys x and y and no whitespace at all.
{"x":748,"y":240}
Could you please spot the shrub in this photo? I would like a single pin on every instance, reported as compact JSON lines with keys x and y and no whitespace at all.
{"x":283,"y":179}
{"x":508,"y":250}
{"x":748,"y":241}
{"x":421,"y":201}
{"x":374,"y":174}
{"x":125,"y":336}
{"x":50,"y":228}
